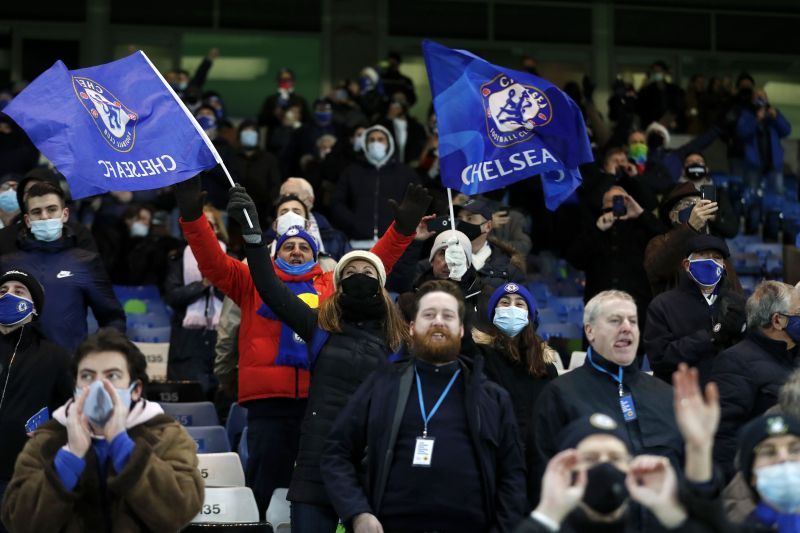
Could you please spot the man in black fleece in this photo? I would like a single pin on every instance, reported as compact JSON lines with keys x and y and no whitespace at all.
{"x":34,"y":373}
{"x":447,"y":457}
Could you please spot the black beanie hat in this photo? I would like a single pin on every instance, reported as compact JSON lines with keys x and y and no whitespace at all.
{"x":597,"y":424}
{"x":33,"y":285}
{"x":758,"y":430}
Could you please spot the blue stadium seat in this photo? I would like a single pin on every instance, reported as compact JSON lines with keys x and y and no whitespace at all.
{"x":540,"y":291}
{"x":243,"y":453}
{"x":137,"y":292}
{"x":566,"y":331}
{"x":210,"y":439}
{"x":192,"y":413}
{"x":146,"y":334}
{"x":549,"y":315}
{"x":234,"y":426}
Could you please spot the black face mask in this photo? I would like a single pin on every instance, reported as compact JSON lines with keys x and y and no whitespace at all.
{"x":620,"y":173}
{"x":361,"y":299}
{"x":605,"y":488}
{"x":695,"y":171}
{"x":472,"y":231}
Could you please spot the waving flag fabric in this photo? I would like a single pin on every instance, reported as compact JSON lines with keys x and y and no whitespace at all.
{"x":113,"y":127}
{"x":498,"y":126}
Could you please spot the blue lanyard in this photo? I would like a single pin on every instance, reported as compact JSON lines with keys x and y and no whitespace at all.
{"x":617,"y":378}
{"x":427,"y":418}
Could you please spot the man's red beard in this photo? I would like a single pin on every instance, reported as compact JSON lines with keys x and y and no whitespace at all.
{"x":440,"y":351}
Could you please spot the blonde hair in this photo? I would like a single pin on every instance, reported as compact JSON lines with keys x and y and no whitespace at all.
{"x":594,"y":305}
{"x":222,"y":231}
{"x":394,"y":328}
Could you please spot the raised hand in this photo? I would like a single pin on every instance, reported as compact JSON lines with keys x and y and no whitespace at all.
{"x":366,"y":523}
{"x":652,"y":482}
{"x":697,"y":417}
{"x":240,"y":207}
{"x":79,"y":438}
{"x":560,"y":493}
{"x":703,"y":211}
{"x":409,"y":212}
{"x":634,"y":210}
{"x":189,"y":196}
{"x":605,"y":221}
{"x":423,"y":234}
{"x":119,"y":417}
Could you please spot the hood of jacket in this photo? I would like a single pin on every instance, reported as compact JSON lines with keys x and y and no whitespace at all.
{"x":378,"y":163}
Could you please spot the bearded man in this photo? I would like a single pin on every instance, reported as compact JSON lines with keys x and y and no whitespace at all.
{"x":428,"y":444}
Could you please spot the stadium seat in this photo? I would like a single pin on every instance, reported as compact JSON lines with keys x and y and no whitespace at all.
{"x":147,"y":334}
{"x":250,"y":527}
{"x":192,"y":413}
{"x":566,"y":331}
{"x":228,"y":505}
{"x":175,"y":391}
{"x":278,"y":512}
{"x":221,"y":469}
{"x":242,"y":449}
{"x":235,"y":424}
{"x":210,"y":439}
{"x":549,"y":315}
{"x":576,"y":360}
{"x":157,"y":355}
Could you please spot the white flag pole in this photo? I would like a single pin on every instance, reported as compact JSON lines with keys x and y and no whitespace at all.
{"x":450,"y":202}
{"x":197,"y":127}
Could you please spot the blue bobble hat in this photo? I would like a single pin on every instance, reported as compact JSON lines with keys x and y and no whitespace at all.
{"x":297,"y":231}
{"x":513,"y":288}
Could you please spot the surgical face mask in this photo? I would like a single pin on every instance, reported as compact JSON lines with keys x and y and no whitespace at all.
{"x":658,"y":76}
{"x":472,"y":231}
{"x":793,"y":328}
{"x":323,"y":117}
{"x":779,"y":486}
{"x":287,"y":220}
{"x":695,"y":171}
{"x":706,"y":272}
{"x":182,"y":86}
{"x":14,"y":309}
{"x":8,"y":201}
{"x":376,"y":150}
{"x":248,"y":138}
{"x":510,"y":320}
{"x":99,"y":407}
{"x":47,"y":230}
{"x":139,"y":229}
{"x":605,"y":488}
{"x":207,"y":123}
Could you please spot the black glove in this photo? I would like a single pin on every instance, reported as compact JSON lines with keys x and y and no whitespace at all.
{"x":240,"y":207}
{"x":190,"y":197}
{"x":415,"y":204}
{"x":731,"y":325}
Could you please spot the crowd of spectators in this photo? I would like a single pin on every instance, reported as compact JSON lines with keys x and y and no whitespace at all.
{"x":348,"y":312}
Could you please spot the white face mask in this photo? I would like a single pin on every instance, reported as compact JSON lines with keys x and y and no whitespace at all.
{"x":287,"y":220}
{"x":139,"y":229}
{"x":376,"y":150}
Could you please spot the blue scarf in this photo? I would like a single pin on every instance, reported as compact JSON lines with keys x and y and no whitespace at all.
{"x":292,"y":350}
{"x":767,"y":516}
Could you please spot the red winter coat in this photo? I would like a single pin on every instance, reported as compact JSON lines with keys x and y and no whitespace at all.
{"x":259,"y":337}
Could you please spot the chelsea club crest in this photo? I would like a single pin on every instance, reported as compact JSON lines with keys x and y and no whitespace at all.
{"x":513,"y":111}
{"x":115,"y":121}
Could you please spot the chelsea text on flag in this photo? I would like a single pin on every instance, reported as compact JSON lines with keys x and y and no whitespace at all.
{"x":499,"y":126}
{"x":113,"y":127}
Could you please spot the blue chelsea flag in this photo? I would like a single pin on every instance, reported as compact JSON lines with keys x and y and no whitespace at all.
{"x":499,"y":126}
{"x":113,"y":127}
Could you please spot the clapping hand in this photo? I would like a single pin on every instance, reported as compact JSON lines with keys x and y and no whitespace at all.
{"x":652,"y":482}
{"x":562,"y":489}
{"x":79,"y":437}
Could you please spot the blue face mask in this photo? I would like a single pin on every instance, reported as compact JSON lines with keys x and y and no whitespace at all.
{"x":793,"y":328}
{"x":510,"y":320}
{"x":779,"y":486}
{"x":248,"y":138}
{"x":294,"y":270}
{"x":47,"y":230}
{"x":323,"y":117}
{"x":99,"y":407}
{"x":8,"y":201}
{"x":706,"y":272}
{"x":207,"y":123}
{"x":14,"y":309}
